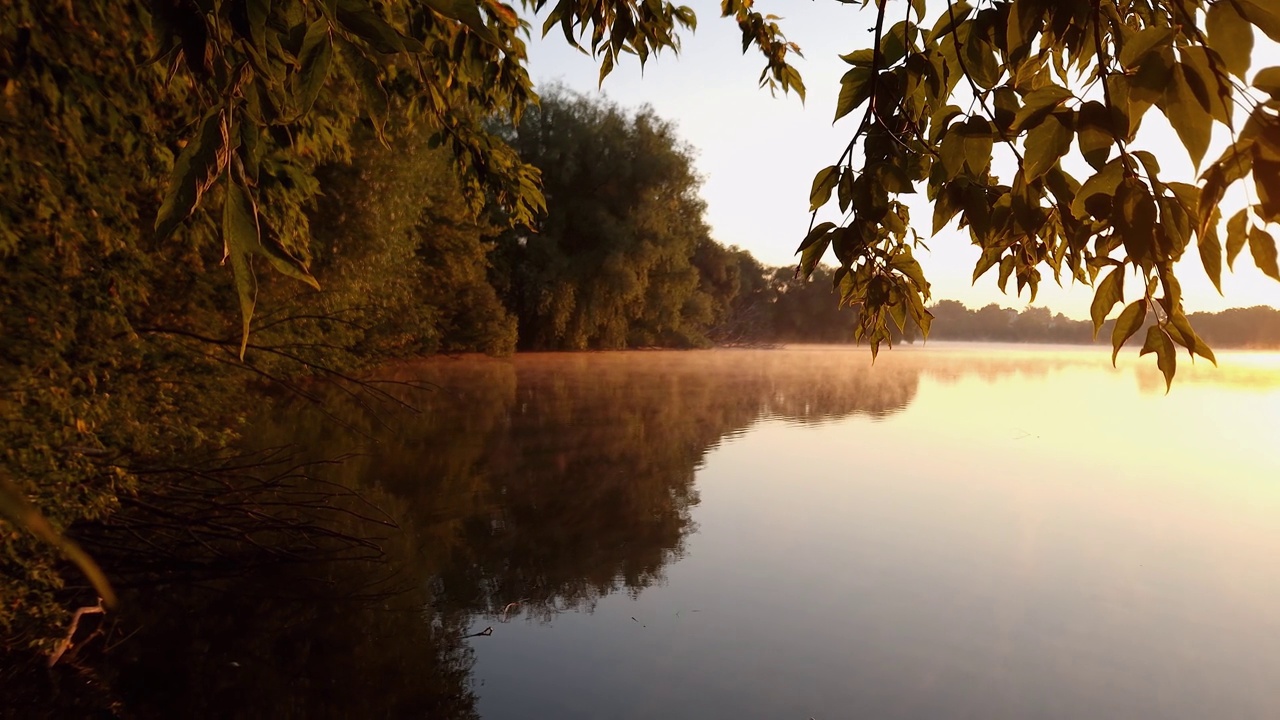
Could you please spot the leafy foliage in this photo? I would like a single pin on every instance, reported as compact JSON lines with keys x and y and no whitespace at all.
{"x":144,"y":140}
{"x":955,"y":95}
{"x":611,"y":265}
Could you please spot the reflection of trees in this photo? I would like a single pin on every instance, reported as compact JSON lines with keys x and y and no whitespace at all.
{"x":261,"y":648}
{"x":269,"y":631}
{"x":548,"y":481}
{"x":562,"y":478}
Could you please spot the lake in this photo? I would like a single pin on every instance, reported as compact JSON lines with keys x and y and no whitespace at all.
{"x":960,"y":531}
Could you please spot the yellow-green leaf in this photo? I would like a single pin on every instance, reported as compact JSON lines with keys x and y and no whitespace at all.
{"x":1180,"y":330}
{"x":1110,"y":291}
{"x":979,"y":139}
{"x":313,"y":63}
{"x":1095,"y":134}
{"x":1263,"y":248}
{"x":823,"y":183}
{"x":1037,"y":104}
{"x":197,"y":167}
{"x":1046,"y":144}
{"x":359,"y":18}
{"x":1129,"y":322}
{"x":1261,"y":13}
{"x":1268,"y":80}
{"x":1210,"y":248}
{"x":240,"y":241}
{"x":1231,"y":36}
{"x":1237,"y":234}
{"x":1188,"y":116}
{"x":1159,"y":342}
{"x":468,"y":13}
{"x":1137,"y":47}
{"x":855,"y":88}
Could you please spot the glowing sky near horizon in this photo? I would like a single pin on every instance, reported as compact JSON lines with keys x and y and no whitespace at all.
{"x":758,"y":154}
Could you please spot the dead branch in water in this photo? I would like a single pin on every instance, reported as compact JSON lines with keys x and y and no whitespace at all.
{"x":65,"y":643}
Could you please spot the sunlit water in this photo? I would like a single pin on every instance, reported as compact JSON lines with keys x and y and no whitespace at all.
{"x":958,"y":531}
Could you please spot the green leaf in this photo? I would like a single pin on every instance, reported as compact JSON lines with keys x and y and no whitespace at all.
{"x":957,"y":12}
{"x":979,"y":139}
{"x":1008,"y":264}
{"x":1212,"y":86}
{"x":1181,"y":332}
{"x":15,"y":509}
{"x":376,"y":100}
{"x":945,"y":207}
{"x":814,"y":235}
{"x":1038,"y":104}
{"x":313,"y":62}
{"x":1095,"y":136}
{"x":823,"y":183}
{"x":1129,"y":322}
{"x":980,"y":60}
{"x":812,"y":255}
{"x":360,"y":19}
{"x":904,"y":262}
{"x":1236,"y":236}
{"x":860,"y":58}
{"x":1134,"y":217}
{"x":280,"y":258}
{"x":1110,"y":291}
{"x":990,"y":256}
{"x":1263,"y":248}
{"x":1261,"y":13}
{"x":855,"y":88}
{"x":1101,"y":184}
{"x":952,"y":151}
{"x":1231,"y":36}
{"x":257,"y":13}
{"x":1046,"y":144}
{"x":1159,"y":342}
{"x":240,"y":240}
{"x":197,"y":167}
{"x":1211,"y":257}
{"x":1137,"y":47}
{"x":1188,"y":116}
{"x":1268,"y":80}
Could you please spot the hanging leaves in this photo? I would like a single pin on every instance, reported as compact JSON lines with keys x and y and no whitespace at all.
{"x":1263,"y":248}
{"x":1159,"y":342}
{"x":240,"y":238}
{"x":194,"y":172}
{"x":1047,"y":143}
{"x":313,"y":60}
{"x":1110,"y":291}
{"x":1231,"y":36}
{"x":1129,"y":322}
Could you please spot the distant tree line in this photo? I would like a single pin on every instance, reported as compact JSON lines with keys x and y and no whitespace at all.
{"x":1255,"y":327}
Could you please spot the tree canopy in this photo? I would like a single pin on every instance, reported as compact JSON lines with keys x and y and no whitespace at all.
{"x":1019,"y":118}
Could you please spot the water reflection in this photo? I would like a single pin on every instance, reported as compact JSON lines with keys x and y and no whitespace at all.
{"x":523,"y":488}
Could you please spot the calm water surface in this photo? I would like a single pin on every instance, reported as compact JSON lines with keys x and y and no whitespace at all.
{"x":959,"y":532}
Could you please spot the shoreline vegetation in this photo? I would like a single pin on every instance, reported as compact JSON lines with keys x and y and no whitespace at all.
{"x":116,"y":395}
{"x":133,"y":362}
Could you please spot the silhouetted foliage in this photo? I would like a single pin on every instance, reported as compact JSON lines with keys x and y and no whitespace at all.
{"x":1257,"y":327}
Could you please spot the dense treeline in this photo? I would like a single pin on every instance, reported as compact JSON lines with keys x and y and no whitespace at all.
{"x":121,"y":352}
{"x":1255,"y":327}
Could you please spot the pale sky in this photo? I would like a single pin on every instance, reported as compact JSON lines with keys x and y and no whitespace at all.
{"x":758,"y":154}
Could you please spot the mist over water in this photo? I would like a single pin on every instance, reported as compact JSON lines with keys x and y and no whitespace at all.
{"x":956,"y":531}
